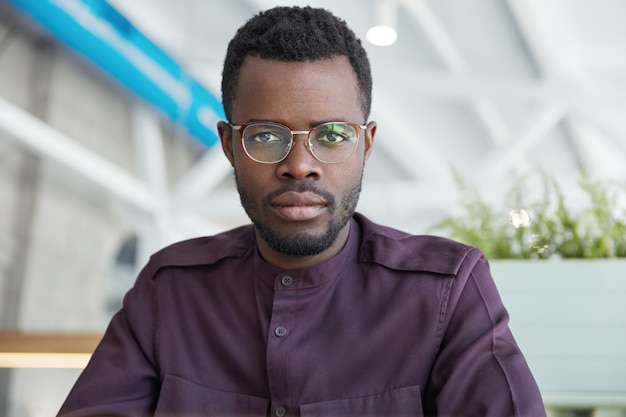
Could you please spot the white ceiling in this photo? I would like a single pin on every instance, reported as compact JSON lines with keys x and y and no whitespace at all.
{"x":492,"y":88}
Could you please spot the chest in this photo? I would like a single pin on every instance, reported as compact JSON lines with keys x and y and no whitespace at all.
{"x":366,"y":331}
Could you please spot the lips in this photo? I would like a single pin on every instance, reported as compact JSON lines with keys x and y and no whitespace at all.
{"x":292,"y":198}
{"x":297,"y":206}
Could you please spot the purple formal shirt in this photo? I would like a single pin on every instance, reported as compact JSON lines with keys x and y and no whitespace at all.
{"x":394,"y":325}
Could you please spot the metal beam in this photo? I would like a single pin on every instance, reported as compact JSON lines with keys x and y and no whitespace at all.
{"x":149,"y":143}
{"x":596,"y":128}
{"x":415,"y":154}
{"x":470,"y":86}
{"x":199,"y":180}
{"x":583,"y":136}
{"x":533,"y":36}
{"x":501,"y":159}
{"x":495,"y":124}
{"x":50,"y":143}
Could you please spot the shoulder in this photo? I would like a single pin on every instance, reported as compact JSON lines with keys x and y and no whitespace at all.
{"x":403,"y":251}
{"x":235,"y":243}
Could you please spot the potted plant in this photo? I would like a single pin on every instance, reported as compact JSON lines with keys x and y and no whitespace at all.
{"x":542,"y":227}
{"x":562,"y":276}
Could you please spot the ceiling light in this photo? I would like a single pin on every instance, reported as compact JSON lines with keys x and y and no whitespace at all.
{"x":383,"y":32}
{"x":382,"y":35}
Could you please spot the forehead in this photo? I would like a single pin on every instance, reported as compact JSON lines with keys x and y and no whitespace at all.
{"x":284,"y":91}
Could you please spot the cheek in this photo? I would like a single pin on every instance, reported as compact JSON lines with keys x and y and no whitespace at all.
{"x":346,"y":177}
{"x":241,"y":162}
{"x":252,"y":176}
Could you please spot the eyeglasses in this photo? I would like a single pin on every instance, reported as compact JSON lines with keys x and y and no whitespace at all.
{"x":269,"y":143}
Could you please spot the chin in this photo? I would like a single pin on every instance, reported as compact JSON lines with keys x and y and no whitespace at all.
{"x":301,"y":242}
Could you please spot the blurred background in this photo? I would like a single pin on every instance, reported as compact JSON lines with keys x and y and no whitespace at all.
{"x":107,"y":134}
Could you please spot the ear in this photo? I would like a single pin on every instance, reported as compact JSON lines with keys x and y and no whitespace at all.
{"x":369,"y":139}
{"x":226,"y":138}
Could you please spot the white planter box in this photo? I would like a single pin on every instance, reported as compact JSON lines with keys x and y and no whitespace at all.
{"x":569,"y":318}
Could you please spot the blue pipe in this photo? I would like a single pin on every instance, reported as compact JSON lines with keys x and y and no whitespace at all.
{"x":104,"y":36}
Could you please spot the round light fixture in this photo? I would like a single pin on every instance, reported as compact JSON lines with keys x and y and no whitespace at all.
{"x":382,"y":35}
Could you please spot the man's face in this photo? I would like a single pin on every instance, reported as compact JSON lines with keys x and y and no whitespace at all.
{"x":300,"y":206}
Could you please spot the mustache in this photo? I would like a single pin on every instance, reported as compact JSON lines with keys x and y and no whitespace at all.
{"x":301,"y":187}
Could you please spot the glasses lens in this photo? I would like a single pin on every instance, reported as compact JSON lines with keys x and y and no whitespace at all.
{"x":334,"y":142}
{"x":266,"y":142}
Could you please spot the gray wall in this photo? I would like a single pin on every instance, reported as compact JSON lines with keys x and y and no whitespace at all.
{"x":59,"y":233}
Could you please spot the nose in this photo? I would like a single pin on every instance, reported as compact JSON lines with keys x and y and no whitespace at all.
{"x":300,"y":163}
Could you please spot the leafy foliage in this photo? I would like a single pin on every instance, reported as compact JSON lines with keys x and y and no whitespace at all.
{"x":542,"y":227}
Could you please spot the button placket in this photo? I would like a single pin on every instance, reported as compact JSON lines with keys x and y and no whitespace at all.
{"x":279,"y":345}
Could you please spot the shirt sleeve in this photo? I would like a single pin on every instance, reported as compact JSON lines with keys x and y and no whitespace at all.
{"x":480,"y":370}
{"x":122,"y":376}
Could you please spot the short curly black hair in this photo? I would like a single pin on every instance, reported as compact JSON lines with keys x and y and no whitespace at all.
{"x":295,"y":34}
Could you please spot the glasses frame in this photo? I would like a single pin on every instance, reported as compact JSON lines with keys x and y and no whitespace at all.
{"x":242,"y":130}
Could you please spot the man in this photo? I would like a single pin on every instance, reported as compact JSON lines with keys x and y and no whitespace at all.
{"x":313,"y":309}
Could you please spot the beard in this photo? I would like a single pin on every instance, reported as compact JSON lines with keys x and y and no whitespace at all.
{"x":302,"y":243}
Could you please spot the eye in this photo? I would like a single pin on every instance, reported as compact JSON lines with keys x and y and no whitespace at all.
{"x":335,"y":134}
{"x":332,"y":137}
{"x":264,"y":137}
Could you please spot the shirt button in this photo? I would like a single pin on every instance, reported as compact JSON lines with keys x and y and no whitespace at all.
{"x":287,"y":280}
{"x":280,"y":331}
{"x":280,"y":411}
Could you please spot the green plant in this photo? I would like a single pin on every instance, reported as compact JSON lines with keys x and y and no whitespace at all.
{"x":541,"y":226}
